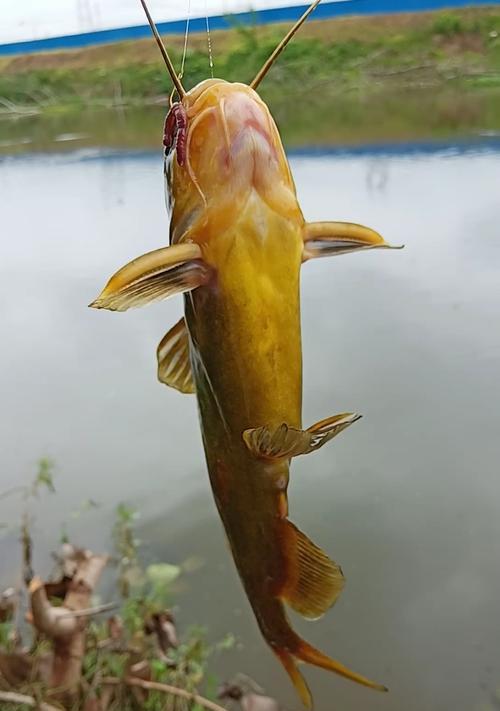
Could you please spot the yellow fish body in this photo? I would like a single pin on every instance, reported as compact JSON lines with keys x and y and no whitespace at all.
{"x":237,"y":241}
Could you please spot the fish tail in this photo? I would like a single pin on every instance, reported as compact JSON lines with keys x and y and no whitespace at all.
{"x":300,"y":684}
{"x":305,"y":652}
{"x":311,"y":584}
{"x":298,"y":651}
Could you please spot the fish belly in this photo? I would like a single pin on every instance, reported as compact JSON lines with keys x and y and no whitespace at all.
{"x":246,"y":359}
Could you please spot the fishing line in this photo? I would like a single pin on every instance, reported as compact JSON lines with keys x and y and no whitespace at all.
{"x":210,"y":58}
{"x":186,"y":35}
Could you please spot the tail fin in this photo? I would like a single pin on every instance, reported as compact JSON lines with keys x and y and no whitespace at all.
{"x":298,"y":680}
{"x":308,"y":654}
{"x":304,"y":652}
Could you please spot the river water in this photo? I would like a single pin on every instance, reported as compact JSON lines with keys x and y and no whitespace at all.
{"x":408,"y":500}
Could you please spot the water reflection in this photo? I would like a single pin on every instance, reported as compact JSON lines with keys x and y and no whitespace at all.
{"x":322,"y":118}
{"x":407,"y":501}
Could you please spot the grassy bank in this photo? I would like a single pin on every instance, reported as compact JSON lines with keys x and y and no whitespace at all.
{"x":327,"y":60}
{"x":59,"y":651}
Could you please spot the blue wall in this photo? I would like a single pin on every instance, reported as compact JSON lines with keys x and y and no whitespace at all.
{"x":284,"y":14}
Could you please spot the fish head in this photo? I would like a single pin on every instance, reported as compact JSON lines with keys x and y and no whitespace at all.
{"x":230,"y":150}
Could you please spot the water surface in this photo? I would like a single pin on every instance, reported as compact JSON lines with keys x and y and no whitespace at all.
{"x":407,"y":500}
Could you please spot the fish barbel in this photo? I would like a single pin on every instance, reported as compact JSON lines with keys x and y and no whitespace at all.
{"x":237,"y":241}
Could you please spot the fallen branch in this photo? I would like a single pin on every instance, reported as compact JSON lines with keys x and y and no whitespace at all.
{"x":91,"y":611}
{"x":12,"y":698}
{"x":165,"y":688}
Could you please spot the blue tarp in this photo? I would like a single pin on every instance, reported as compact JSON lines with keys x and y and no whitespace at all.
{"x":218,"y":22}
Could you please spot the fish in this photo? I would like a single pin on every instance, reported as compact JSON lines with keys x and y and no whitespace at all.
{"x":238,"y":239}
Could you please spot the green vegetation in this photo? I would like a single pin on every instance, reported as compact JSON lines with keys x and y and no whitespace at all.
{"x":449,"y":25}
{"x":327,"y":58}
{"x":132,"y":660}
{"x":394,"y":78}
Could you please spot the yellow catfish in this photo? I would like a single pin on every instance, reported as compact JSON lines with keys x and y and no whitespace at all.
{"x":237,"y":241}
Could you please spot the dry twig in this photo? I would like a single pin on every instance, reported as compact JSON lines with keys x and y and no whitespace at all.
{"x":11,"y":697}
{"x":91,"y":611}
{"x":165,"y":688}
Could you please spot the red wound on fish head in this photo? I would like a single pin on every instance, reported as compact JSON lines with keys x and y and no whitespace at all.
{"x":175,"y":132}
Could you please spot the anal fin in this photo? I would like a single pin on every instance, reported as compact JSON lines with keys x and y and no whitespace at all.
{"x":284,"y":441}
{"x":174,"y":368}
{"x":313,"y":582}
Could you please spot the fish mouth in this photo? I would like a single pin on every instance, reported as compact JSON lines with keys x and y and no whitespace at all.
{"x":233,"y":147}
{"x":200,"y":91}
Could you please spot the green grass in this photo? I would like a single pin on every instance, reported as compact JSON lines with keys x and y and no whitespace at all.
{"x":333,"y":56}
{"x":448,"y":25}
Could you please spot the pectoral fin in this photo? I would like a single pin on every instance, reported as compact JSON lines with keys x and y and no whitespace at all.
{"x":313,"y":581}
{"x":155,"y":276}
{"x":327,"y":239}
{"x":174,"y":368}
{"x":285,"y":442}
